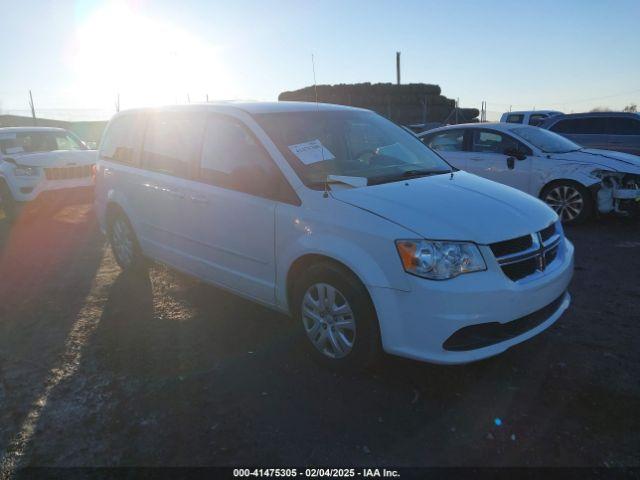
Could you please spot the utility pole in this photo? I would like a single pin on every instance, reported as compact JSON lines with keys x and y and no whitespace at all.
{"x":188,"y":98}
{"x":207,"y":98}
{"x":33,"y":109}
{"x":117,"y":102}
{"x":457,"y":100}
{"x":398,"y":67}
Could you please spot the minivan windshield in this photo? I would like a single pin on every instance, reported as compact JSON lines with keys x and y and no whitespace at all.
{"x":349,"y":143}
{"x":545,"y":140}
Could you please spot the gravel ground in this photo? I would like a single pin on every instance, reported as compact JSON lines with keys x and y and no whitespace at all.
{"x":98,"y":368}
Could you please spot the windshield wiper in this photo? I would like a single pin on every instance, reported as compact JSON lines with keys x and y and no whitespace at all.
{"x":406,"y":174}
{"x":422,"y":173}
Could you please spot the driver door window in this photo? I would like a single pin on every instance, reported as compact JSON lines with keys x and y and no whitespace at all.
{"x":233,"y":158}
{"x":485,"y":141}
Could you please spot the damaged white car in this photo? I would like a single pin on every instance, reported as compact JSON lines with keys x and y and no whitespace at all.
{"x":576,"y":182}
{"x":37,"y":160}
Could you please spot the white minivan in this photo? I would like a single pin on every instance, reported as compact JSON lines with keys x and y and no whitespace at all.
{"x":339,"y":218}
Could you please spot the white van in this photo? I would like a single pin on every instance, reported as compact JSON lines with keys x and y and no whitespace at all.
{"x":340,"y":218}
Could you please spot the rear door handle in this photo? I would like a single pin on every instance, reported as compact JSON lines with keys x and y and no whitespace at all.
{"x":199,"y":199}
{"x":107,"y":172}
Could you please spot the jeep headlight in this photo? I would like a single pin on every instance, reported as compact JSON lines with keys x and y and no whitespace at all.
{"x":23,"y":171}
{"x":438,"y":260}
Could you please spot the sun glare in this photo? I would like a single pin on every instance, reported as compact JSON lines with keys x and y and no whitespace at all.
{"x":146,"y":61}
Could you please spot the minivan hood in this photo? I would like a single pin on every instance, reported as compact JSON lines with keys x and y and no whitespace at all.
{"x":619,"y":161}
{"x":57,"y":158}
{"x":461,"y":206}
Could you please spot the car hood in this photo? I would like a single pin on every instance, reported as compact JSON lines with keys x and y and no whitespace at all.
{"x":619,"y":161}
{"x":57,"y":158}
{"x":461,"y":206}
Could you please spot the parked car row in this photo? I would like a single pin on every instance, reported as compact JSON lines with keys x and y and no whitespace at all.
{"x":576,"y":182}
{"x":344,"y":220}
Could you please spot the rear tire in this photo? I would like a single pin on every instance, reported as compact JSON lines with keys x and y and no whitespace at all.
{"x":571,"y":201}
{"x":337,"y":318}
{"x":7,"y":203}
{"x":124,"y":243}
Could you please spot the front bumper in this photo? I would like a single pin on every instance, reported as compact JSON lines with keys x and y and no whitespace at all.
{"x":416,"y":324}
{"x":28,"y":189}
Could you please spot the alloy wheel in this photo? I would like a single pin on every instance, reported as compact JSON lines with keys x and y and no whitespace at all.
{"x":328,"y":320}
{"x":567,"y":202}
{"x":122,"y":241}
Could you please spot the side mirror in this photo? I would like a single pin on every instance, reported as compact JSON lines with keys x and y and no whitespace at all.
{"x":515,"y":153}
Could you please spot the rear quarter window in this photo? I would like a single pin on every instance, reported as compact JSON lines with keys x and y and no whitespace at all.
{"x":624,"y":126}
{"x":123,"y":139}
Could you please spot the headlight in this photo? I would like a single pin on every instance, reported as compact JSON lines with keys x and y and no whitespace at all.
{"x":22,"y":171}
{"x":439,"y":260}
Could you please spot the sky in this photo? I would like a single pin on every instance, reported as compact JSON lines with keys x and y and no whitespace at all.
{"x":77,"y":56}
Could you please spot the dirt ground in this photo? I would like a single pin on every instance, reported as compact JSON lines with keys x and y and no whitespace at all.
{"x":98,"y":368}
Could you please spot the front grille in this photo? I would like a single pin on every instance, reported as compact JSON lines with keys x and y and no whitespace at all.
{"x":520,"y":270}
{"x":514,"y":245}
{"x":67,"y":173}
{"x":547,"y":233}
{"x":485,"y":334}
{"x":523,"y":256}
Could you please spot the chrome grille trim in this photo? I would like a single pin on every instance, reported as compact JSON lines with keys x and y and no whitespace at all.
{"x":67,"y":173}
{"x":533,"y":259}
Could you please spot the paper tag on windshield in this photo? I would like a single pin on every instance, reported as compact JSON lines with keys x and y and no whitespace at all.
{"x":311,"y":152}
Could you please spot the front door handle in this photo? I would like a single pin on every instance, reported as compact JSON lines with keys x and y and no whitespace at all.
{"x":107,"y":172}
{"x":175,"y":193}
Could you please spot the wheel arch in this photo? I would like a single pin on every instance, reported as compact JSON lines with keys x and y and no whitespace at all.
{"x":591,"y":187}
{"x":307,"y":260}
{"x":112,"y":209}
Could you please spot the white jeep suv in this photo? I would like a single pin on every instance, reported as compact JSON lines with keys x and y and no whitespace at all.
{"x":34,"y":160}
{"x":340,"y":218}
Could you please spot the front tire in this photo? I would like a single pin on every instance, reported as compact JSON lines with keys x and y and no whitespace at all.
{"x":337,"y":318}
{"x":124,"y":243}
{"x":570,"y":200}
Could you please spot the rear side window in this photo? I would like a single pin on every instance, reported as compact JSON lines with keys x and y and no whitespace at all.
{"x":172,"y":142}
{"x":122,"y":139}
{"x":624,"y":126}
{"x":581,"y":126}
{"x":448,"y":141}
{"x":515,"y":118}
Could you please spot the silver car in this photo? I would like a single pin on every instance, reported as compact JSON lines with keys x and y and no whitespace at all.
{"x":618,"y":131}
